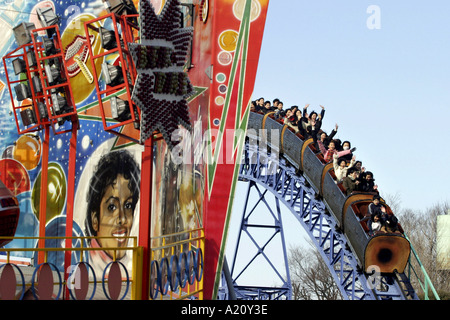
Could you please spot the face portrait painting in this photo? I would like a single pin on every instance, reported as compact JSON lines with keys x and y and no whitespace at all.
{"x":111,"y":201}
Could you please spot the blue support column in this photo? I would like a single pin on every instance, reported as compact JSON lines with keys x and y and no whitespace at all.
{"x":273,"y":233}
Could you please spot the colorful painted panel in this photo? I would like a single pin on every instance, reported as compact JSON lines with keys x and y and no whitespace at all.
{"x":237,"y":37}
{"x":194,"y":192}
{"x":107,"y":167}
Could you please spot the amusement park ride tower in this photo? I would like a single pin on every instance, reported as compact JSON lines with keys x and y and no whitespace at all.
{"x":193,"y":67}
{"x":156,"y":68}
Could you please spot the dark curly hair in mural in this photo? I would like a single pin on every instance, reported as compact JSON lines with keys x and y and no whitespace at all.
{"x":108,"y":169}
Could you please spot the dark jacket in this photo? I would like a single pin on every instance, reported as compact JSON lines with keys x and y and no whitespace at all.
{"x":330,"y":137}
{"x":366,"y":185}
{"x":349,"y":185}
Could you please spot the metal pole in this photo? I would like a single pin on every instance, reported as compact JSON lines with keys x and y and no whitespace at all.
{"x":70,"y":199}
{"x":43,"y":193}
{"x":288,"y":282}
{"x":145,"y":214}
{"x":241,"y":226}
{"x":229,"y":280}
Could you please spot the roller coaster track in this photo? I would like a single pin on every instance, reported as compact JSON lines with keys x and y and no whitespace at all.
{"x":265,"y":163}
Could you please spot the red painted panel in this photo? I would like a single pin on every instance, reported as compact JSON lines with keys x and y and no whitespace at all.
{"x":8,"y":283}
{"x":226,"y":48}
{"x":81,"y":281}
{"x":45,"y":285}
{"x":114,"y":281}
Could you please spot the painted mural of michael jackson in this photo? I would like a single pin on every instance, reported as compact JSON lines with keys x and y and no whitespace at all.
{"x":111,"y":201}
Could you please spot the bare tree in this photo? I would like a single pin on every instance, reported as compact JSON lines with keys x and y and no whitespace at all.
{"x":421,"y":229}
{"x":394,"y":201}
{"x":311,"y":279}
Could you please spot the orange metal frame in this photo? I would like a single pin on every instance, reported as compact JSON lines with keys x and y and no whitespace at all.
{"x":33,"y":104}
{"x":128,"y":32}
{"x":44,"y":97}
{"x":45,"y":123}
{"x":41,"y":60}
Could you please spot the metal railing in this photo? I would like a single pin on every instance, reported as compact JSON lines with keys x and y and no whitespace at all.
{"x":67,"y":282}
{"x":176,"y":269}
{"x":421,"y":275}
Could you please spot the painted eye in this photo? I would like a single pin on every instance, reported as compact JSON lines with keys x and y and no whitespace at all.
{"x":112,"y":207}
{"x":129,"y":205}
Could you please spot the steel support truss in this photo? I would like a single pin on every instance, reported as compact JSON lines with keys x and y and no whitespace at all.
{"x":272,"y":174}
{"x":271,"y":227}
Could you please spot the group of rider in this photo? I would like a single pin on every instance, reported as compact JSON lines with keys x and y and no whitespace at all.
{"x":348,"y":171}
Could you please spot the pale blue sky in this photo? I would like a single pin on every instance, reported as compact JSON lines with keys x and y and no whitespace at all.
{"x":388,"y":89}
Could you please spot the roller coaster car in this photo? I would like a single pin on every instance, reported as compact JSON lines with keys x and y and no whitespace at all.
{"x":389,"y":252}
{"x":9,"y":214}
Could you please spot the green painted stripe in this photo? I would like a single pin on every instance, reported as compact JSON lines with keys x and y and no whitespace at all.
{"x":213,"y":159}
{"x":239,"y":141}
{"x":229,"y":211}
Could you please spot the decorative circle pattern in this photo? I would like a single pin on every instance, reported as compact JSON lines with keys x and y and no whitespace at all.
{"x":228,"y":40}
{"x":225,"y":58}
{"x":8,"y":282}
{"x":43,"y":289}
{"x":186,"y":267}
{"x":239,"y":6}
{"x":220,"y":100}
{"x":221,"y":77}
{"x":114,"y":280}
{"x":80,"y":275}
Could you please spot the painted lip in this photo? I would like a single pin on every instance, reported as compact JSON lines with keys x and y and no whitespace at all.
{"x":120,"y":235}
{"x":79,"y":47}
